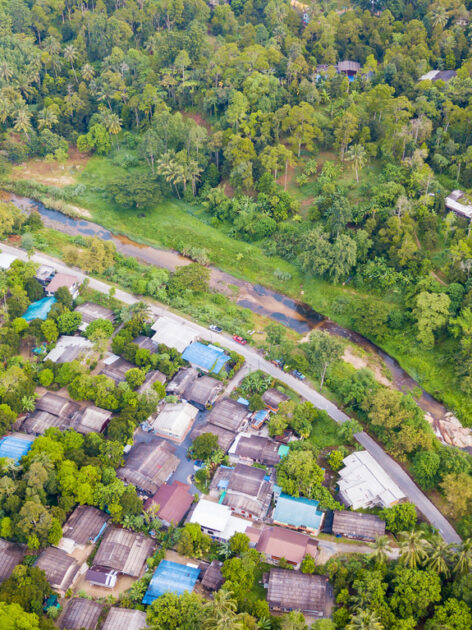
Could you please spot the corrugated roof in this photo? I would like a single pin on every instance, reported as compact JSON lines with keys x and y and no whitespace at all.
{"x":272,"y":398}
{"x":84,"y":524}
{"x":181,"y":381}
{"x":153,"y":376}
{"x":175,"y":419}
{"x":174,"y":501}
{"x":91,"y":312}
{"x":125,"y":619}
{"x":173,"y":333}
{"x":228,"y":414}
{"x":206,"y":357}
{"x":117,"y":369}
{"x":6,"y":260}
{"x":259,"y":449}
{"x":170,"y":577}
{"x":15,"y":446}
{"x":81,"y":614}
{"x":68,"y":349}
{"x":149,"y":465}
{"x":358,"y":525}
{"x":297,"y":512}
{"x":57,"y":405}
{"x":284,"y":543}
{"x":225,"y":437}
{"x":92,"y":419}
{"x":292,"y":590}
{"x":11,"y":554}
{"x":124,"y":550}
{"x":203,"y":390}
{"x":60,"y":569}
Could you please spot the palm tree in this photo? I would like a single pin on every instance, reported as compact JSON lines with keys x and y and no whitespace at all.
{"x":222,"y":612}
{"x":365,"y":620}
{"x":464,"y":558}
{"x":381,"y":549}
{"x":47,"y":118}
{"x":87,"y":72}
{"x":71,"y":54}
{"x":6,"y":72}
{"x":111,"y":121}
{"x":357,"y":155}
{"x":5,"y":109}
{"x":22,"y":122}
{"x":413,"y":548}
{"x":28,"y":403}
{"x":440,"y":557}
{"x":224,"y":550}
{"x":439,"y":16}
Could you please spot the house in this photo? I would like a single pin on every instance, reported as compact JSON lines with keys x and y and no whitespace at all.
{"x":277,"y":543}
{"x":15,"y":446}
{"x":259,"y":417}
{"x":63,"y":280}
{"x":357,"y":525}
{"x":68,"y":349}
{"x":6,"y":260}
{"x":459,"y":203}
{"x":174,"y":421}
{"x":298,"y":513}
{"x":217,"y":520}
{"x":203,"y":391}
{"x":149,"y":465}
{"x":57,"y":405}
{"x":173,"y":500}
{"x":255,"y":449}
{"x":173,"y":333}
{"x":91,"y":419}
{"x":363,"y":483}
{"x":147,"y":343}
{"x":123,"y":551}
{"x":62,"y":413}
{"x":208,"y":358}
{"x":213,"y":579}
{"x":125,"y":619}
{"x":91,"y":312}
{"x":80,"y":614}
{"x":115,"y":368}
{"x":438,"y":75}
{"x":349,"y":68}
{"x":153,"y":376}
{"x":84,"y":526}
{"x":229,"y":414}
{"x":11,"y":554}
{"x":272,"y":399}
{"x":171,"y":577}
{"x":292,"y":590}
{"x":45,"y":274}
{"x":181,"y":381}
{"x":245,"y":489}
{"x":225,"y":438}
{"x":61,"y":570}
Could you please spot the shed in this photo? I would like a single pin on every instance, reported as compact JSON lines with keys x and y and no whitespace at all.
{"x":170,"y":577}
{"x":39,"y":421}
{"x":181,"y":381}
{"x":272,"y":399}
{"x":203,"y":391}
{"x":6,"y":260}
{"x":174,"y":501}
{"x":45,"y":274}
{"x":61,"y":570}
{"x":11,"y":554}
{"x":57,"y":405}
{"x":91,"y":312}
{"x":258,"y":449}
{"x":153,"y":376}
{"x":84,"y":526}
{"x":229,"y":414}
{"x":174,"y":333}
{"x":92,"y":419}
{"x":68,"y":349}
{"x":225,"y":438}
{"x":115,"y":368}
{"x":125,"y":619}
{"x":174,"y":421}
{"x":15,"y":446}
{"x":63,"y":280}
{"x":292,"y":590}
{"x":149,"y":465}
{"x":208,"y":358}
{"x":213,"y":579}
{"x":458,"y":202}
{"x":147,"y":343}
{"x":350,"y":68}
{"x":298,"y":513}
{"x":124,"y":551}
{"x":81,"y":614}
{"x":357,"y":525}
{"x":277,"y":542}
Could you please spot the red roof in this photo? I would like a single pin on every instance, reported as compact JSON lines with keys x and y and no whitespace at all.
{"x":61,"y":280}
{"x":174,"y":501}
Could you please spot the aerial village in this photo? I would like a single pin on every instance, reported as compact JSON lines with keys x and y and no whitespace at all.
{"x":204,"y":465}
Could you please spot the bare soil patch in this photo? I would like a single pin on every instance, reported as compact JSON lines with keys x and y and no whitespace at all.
{"x":53,"y":173}
{"x":360,"y":362}
{"x":198,"y":118}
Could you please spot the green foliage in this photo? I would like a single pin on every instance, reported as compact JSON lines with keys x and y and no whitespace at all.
{"x":204,"y":446}
{"x":193,"y":542}
{"x":401,"y":517}
{"x":99,"y":329}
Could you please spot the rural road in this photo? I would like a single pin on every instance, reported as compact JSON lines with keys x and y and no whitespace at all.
{"x":256,"y":362}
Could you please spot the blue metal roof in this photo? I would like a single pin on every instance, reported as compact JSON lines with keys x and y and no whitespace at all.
{"x":15,"y":447}
{"x":243,"y":401}
{"x":283,"y":450}
{"x":209,"y":358}
{"x":39,"y":309}
{"x":297,"y":512}
{"x":170,"y":577}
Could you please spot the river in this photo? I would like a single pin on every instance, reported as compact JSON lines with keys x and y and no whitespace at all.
{"x":280,"y":308}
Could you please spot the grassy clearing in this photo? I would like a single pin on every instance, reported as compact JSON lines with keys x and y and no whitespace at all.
{"x":325,"y":433}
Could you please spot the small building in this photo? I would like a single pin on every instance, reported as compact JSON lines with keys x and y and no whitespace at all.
{"x":225,"y":438}
{"x":181,"y":381}
{"x":61,"y":570}
{"x":171,"y":577}
{"x":272,"y":399}
{"x":45,"y":274}
{"x":15,"y":446}
{"x":173,"y":333}
{"x":11,"y":554}
{"x":208,"y":358}
{"x":115,"y":368}
{"x":217,"y":520}
{"x":80,"y":614}
{"x":92,"y":419}
{"x":91,"y":312}
{"x":255,"y":448}
{"x":52,"y":411}
{"x":63,"y":280}
{"x":149,"y":465}
{"x":277,"y":543}
{"x":364,"y":483}
{"x":258,"y":419}
{"x":84,"y":526}
{"x":203,"y":391}
{"x":142,"y":341}
{"x":123,"y":551}
{"x":153,"y":376}
{"x":357,"y":525}
{"x":298,"y":513}
{"x":6,"y":260}
{"x":292,"y":590}
{"x":174,"y":421}
{"x":125,"y":619}
{"x":245,"y":489}
{"x":459,"y":203}
{"x":438,"y":75}
{"x":229,"y":414}
{"x":349,"y":68}
{"x":213,"y":579}
{"x":174,"y":501}
{"x":57,"y":405}
{"x":69,"y":349}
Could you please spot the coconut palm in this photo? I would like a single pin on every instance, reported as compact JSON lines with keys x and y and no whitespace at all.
{"x":463,"y":557}
{"x":6,"y":72}
{"x":47,"y":118}
{"x":381,"y":549}
{"x":53,"y":48}
{"x":439,"y":16}
{"x":222,"y":612}
{"x":364,"y":620}
{"x":71,"y":54}
{"x":357,"y":155}
{"x":87,"y":72}
{"x":440,"y":558}
{"x":413,"y":548}
{"x":224,"y":550}
{"x":5,"y":109}
{"x":28,"y":403}
{"x":22,"y":122}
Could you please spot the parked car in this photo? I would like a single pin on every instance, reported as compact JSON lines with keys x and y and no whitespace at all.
{"x":278,"y":363}
{"x":240,"y":340}
{"x":298,"y":375}
{"x":215,"y":328}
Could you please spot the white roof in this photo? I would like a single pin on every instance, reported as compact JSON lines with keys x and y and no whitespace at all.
{"x":65,"y":343}
{"x":6,"y":260}
{"x":364,"y":483}
{"x":218,"y":518}
{"x":175,"y":419}
{"x":453,"y":203}
{"x":429,"y":76}
{"x":174,"y":334}
{"x":111,"y":358}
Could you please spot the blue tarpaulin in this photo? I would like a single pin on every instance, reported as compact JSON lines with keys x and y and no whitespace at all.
{"x":15,"y":446}
{"x":170,"y":577}
{"x":208,"y":358}
{"x":39,"y":309}
{"x":297,"y":512}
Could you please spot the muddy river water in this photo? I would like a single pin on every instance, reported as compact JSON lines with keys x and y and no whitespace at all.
{"x":291,"y":313}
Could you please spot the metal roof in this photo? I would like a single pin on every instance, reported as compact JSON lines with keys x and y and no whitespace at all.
{"x":297,"y":512}
{"x":228,"y":414}
{"x":170,"y":577}
{"x":125,"y":619}
{"x":206,"y":357}
{"x":15,"y":446}
{"x":81,"y":614}
{"x":358,"y":525}
{"x":292,"y":590}
{"x":124,"y":550}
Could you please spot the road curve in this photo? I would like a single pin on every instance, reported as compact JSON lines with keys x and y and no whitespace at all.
{"x":255,"y":362}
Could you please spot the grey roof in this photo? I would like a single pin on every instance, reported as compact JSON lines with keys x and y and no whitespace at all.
{"x":213,"y":578}
{"x":203,"y":390}
{"x":228,"y":414}
{"x":246,"y":489}
{"x":445,"y":75}
{"x":259,"y":449}
{"x":181,"y":381}
{"x":349,"y":66}
{"x":292,"y":590}
{"x":11,"y":554}
{"x":60,"y":569}
{"x":84,"y":524}
{"x":358,"y":525}
{"x":125,"y":619}
{"x":117,"y":370}
{"x":146,"y":342}
{"x":272,"y":398}
{"x":124,"y":550}
{"x":153,"y":376}
{"x":225,"y":437}
{"x":81,"y":614}
{"x":246,"y":479}
{"x":90,"y":312}
{"x":91,"y":419}
{"x":57,"y":405}
{"x":149,"y":465}
{"x":39,"y":421}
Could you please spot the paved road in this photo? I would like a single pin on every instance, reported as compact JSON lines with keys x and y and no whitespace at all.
{"x":255,"y":361}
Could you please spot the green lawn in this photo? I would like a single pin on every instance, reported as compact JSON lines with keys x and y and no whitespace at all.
{"x":325,"y":433}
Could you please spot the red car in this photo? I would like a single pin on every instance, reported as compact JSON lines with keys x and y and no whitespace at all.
{"x":240,"y":340}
